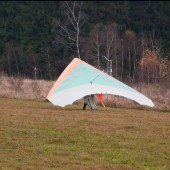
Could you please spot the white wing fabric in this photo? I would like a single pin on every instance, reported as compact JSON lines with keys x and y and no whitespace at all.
{"x":80,"y":79}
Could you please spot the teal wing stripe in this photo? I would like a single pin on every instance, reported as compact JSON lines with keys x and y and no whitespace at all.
{"x":84,"y":74}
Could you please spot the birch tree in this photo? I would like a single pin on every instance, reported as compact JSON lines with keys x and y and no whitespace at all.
{"x":70,"y":27}
{"x":108,"y":44}
{"x":116,"y":47}
{"x":96,"y":37}
{"x":122,"y":59}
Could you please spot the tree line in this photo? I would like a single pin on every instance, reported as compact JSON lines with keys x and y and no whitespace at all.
{"x":39,"y":38}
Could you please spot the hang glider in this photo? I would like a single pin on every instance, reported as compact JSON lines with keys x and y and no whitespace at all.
{"x":80,"y":79}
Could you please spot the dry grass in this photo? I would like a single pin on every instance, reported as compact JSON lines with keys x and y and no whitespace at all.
{"x":17,"y":87}
{"x":38,"y":89}
{"x":36,"y":135}
{"x":160,"y":95}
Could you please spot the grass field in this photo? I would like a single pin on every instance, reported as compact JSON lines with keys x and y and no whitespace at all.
{"x":36,"y":135}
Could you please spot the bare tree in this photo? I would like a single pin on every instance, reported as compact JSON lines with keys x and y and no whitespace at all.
{"x":16,"y":60}
{"x":131,"y":48}
{"x":165,"y":68}
{"x":111,"y":44}
{"x":109,"y":40}
{"x":116,"y":47}
{"x":104,"y":44}
{"x":155,"y":44}
{"x":134,"y":55}
{"x":31,"y":54}
{"x":122,"y":58}
{"x":95,"y":43}
{"x":70,"y":27}
{"x":149,"y":66}
{"x":7,"y":52}
{"x":108,"y":43}
{"x":49,"y":64}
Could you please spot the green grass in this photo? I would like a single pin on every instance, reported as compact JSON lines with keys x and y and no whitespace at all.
{"x":37,"y":135}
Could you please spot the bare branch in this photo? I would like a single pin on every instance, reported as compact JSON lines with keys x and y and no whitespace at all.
{"x":66,"y":36}
{"x":71,"y":26}
{"x":79,"y":12}
{"x":71,"y":20}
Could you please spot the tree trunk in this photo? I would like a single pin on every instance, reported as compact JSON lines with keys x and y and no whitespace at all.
{"x":49,"y":64}
{"x":134,"y":61}
{"x":77,"y":42}
{"x":15,"y":60}
{"x":129,"y":62}
{"x":122,"y":56}
{"x":9,"y":65}
{"x":115,"y":56}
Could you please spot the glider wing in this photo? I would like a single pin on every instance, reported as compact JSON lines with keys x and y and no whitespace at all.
{"x":80,"y":79}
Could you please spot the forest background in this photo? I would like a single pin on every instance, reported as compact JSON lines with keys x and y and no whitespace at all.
{"x":40,"y":38}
